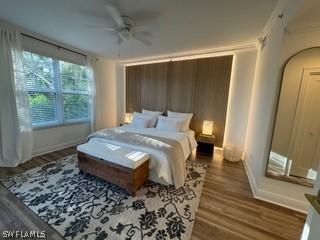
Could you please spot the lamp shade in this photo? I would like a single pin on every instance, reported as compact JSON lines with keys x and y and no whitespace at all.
{"x":207,"y":127}
{"x":128,"y":118}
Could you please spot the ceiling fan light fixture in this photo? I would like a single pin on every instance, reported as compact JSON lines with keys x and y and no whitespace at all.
{"x":125,"y":34}
{"x":126,"y":27}
{"x":128,"y":21}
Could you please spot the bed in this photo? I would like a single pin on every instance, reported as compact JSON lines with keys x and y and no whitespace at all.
{"x":168,"y":150}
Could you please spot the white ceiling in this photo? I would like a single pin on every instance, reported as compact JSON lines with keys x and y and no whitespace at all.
{"x":307,"y":16}
{"x":177,"y":25}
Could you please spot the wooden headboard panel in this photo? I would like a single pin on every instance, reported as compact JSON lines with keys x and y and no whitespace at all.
{"x":200,"y":86}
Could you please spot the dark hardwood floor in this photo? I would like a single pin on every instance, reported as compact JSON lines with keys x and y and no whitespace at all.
{"x":227,"y":208}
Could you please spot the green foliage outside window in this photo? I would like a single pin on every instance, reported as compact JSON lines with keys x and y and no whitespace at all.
{"x":44,"y":84}
{"x":75,"y":106}
{"x":38,"y":99}
{"x":74,"y":77}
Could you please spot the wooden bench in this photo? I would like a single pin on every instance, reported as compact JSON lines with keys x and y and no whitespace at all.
{"x":122,"y":166}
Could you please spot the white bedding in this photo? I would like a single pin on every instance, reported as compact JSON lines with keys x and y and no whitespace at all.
{"x":159,"y":164}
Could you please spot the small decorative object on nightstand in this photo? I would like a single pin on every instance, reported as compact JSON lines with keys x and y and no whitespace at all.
{"x":205,"y":144}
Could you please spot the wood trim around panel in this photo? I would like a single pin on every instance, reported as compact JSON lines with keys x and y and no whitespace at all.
{"x":200,"y":86}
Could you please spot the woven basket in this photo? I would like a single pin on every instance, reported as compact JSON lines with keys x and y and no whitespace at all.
{"x":232,"y":153}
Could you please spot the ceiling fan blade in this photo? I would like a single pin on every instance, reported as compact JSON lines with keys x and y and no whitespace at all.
{"x":143,"y":33}
{"x":145,"y":27}
{"x":142,"y":38}
{"x":109,"y":29}
{"x":115,"y":14}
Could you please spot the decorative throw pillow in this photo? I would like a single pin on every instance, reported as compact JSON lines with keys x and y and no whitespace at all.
{"x":140,"y":121}
{"x":169,"y":124}
{"x":154,"y":115}
{"x":185,"y":116}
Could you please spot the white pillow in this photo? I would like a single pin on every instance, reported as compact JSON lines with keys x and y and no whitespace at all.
{"x":141,"y":115}
{"x":186,"y":116}
{"x":152,"y":112}
{"x":154,"y":115}
{"x":169,"y":124}
{"x":140,"y":121}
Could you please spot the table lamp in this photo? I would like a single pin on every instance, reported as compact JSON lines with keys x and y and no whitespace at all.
{"x":128,"y":117}
{"x":207,"y":127}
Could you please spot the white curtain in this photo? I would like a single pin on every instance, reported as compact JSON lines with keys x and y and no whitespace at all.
{"x":91,"y":67}
{"x":16,"y":139}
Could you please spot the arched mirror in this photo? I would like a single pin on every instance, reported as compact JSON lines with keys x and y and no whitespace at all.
{"x":295,"y":149}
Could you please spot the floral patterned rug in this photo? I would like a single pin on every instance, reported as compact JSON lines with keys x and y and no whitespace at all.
{"x":81,"y":206}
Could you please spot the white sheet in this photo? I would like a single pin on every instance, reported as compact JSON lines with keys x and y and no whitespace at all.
{"x":159,"y":164}
{"x":192,"y":139}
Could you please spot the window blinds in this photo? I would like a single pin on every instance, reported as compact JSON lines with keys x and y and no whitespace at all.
{"x":57,"y":90}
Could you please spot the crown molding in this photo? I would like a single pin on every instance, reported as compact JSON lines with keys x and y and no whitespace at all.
{"x":276,"y":13}
{"x":201,"y":53}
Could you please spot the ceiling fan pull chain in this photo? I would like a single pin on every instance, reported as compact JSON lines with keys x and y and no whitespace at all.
{"x":132,"y":48}
{"x":118,"y":50}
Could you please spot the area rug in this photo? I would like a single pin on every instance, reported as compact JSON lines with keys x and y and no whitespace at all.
{"x":81,"y":206}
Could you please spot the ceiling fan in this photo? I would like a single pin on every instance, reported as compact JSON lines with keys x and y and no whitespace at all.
{"x":126,"y":28}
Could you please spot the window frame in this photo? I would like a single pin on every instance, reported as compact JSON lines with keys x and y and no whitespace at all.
{"x":59,"y":92}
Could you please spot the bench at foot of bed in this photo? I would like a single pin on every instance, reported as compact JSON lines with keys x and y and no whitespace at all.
{"x":122,"y":166}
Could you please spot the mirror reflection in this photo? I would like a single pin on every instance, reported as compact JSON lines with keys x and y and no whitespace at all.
{"x":295,"y":148}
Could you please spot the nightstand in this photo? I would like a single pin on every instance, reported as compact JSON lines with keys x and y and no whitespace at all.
{"x":205,"y":144}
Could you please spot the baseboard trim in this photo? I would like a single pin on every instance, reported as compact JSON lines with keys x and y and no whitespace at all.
{"x":270,"y":197}
{"x":251,"y":179}
{"x":57,"y":147}
{"x":274,"y":198}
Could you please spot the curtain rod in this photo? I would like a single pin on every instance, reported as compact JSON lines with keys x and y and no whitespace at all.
{"x":56,"y":45}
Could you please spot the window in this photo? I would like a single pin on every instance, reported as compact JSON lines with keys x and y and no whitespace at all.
{"x":58,"y":90}
{"x":74,"y":81}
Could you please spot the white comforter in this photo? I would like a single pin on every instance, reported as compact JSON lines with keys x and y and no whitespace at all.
{"x":159,"y":162}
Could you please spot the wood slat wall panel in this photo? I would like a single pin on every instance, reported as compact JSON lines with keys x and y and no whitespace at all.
{"x":200,"y":86}
{"x":181,"y":85}
{"x":154,"y":86}
{"x":133,"y":88}
{"x":211,"y":94}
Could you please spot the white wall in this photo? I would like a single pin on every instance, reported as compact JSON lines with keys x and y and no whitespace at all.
{"x":105,"y":74}
{"x":54,"y":138}
{"x":243,"y":69}
{"x":261,"y":119}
